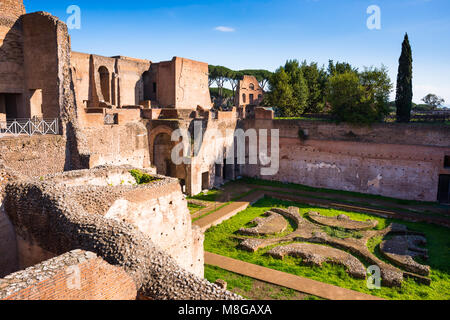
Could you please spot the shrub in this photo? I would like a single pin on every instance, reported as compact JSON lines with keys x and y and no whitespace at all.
{"x":141,"y":177}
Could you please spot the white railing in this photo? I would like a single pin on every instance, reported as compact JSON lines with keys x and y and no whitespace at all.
{"x":29,"y":127}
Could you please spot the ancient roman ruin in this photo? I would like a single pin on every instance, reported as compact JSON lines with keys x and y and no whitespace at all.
{"x":74,"y":125}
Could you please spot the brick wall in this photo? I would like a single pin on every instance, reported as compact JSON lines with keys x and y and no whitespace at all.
{"x":34,"y":156}
{"x":77,"y":275}
{"x":12,"y":8}
{"x":400,"y":161}
{"x":11,"y":48}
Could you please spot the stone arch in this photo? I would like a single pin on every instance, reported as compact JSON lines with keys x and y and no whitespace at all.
{"x":105,"y":83}
{"x":160,"y":147}
{"x":148,"y":85}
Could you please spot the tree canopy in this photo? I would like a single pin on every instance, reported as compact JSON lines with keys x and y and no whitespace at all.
{"x":360,"y":97}
{"x":221,"y":75}
{"x":404,"y":83}
{"x":433,"y":101}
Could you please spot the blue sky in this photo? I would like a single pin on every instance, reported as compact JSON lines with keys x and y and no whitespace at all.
{"x":251,"y":34}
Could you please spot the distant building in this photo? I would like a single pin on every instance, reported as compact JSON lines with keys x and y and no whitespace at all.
{"x":248,"y":92}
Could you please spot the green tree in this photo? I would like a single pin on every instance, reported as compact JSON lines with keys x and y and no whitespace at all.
{"x":316,"y":79}
{"x":360,"y":97}
{"x":219,"y":75}
{"x":299,"y":88}
{"x":281,"y":96}
{"x":433,"y":101}
{"x":339,"y":68}
{"x":234,"y":77}
{"x":404,"y":83}
{"x":378,"y":88}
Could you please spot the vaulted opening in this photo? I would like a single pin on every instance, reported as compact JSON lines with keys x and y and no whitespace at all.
{"x":105,"y":83}
{"x":444,"y":189}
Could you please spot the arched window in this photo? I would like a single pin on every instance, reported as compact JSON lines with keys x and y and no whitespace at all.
{"x":105,"y":83}
{"x":148,"y":85}
{"x":252,"y":86}
{"x":244,"y":98}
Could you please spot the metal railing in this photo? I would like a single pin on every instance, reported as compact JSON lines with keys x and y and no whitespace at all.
{"x":29,"y":127}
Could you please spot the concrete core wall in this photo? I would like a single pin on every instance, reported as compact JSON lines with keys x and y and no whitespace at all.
{"x":400,"y":161}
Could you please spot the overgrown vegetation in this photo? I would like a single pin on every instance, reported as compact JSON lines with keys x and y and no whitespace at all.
{"x":221,"y":240}
{"x":142,"y":178}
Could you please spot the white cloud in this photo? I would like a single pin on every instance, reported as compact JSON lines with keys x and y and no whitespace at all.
{"x":224,"y":29}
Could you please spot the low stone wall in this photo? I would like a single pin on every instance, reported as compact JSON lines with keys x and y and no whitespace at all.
{"x":8,"y":247}
{"x":400,"y":161}
{"x":34,"y":156}
{"x":118,"y":145}
{"x":46,"y":215}
{"x":77,"y":275}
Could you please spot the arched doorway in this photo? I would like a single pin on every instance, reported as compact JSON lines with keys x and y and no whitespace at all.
{"x":105,"y":82}
{"x":162,"y":150}
{"x":148,"y":86}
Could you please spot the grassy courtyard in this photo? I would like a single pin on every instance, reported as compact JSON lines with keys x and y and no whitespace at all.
{"x":221,"y":240}
{"x":253,"y":289}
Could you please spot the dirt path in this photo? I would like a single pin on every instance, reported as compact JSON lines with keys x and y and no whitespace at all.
{"x":287,"y":280}
{"x":229,"y":211}
{"x":368,"y":201}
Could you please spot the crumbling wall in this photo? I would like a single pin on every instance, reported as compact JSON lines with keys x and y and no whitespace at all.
{"x":401,"y":161}
{"x":8,"y":247}
{"x":12,"y":60}
{"x":191,"y":84}
{"x":77,"y":275}
{"x":118,"y":145}
{"x":162,"y":214}
{"x":12,"y":8}
{"x":47,"y":62}
{"x":248,"y":86}
{"x":131,"y":85}
{"x":44,"y":214}
{"x":34,"y":156}
{"x":218,"y":139}
{"x":181,"y":84}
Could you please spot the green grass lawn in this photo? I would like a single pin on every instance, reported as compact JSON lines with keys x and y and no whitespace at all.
{"x":210,"y":196}
{"x":193,"y":208}
{"x":220,"y":240}
{"x":253,"y":289}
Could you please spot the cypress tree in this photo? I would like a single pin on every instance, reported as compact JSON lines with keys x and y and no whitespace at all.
{"x":404,"y":83}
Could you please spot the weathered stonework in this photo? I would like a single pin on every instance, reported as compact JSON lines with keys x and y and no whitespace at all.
{"x":123,"y":111}
{"x":402,"y":250}
{"x":317,"y":255}
{"x":309,"y":232}
{"x":393,"y":160}
{"x":342,"y":221}
{"x":46,"y":215}
{"x":76,"y":275}
{"x":273,"y":223}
